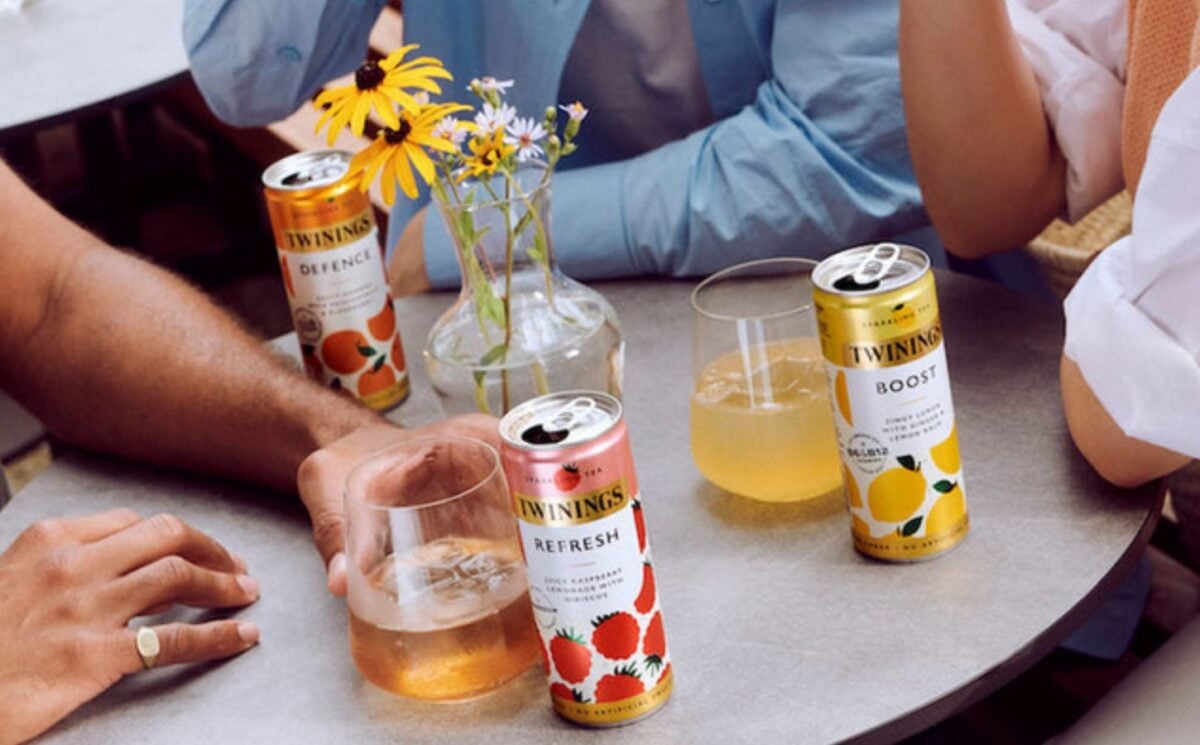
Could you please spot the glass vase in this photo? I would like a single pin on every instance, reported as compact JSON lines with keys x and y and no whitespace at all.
{"x":520,"y":328}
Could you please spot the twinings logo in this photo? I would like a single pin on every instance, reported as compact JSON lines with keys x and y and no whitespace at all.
{"x":573,"y":510}
{"x":890,"y":352}
{"x":329,"y":236}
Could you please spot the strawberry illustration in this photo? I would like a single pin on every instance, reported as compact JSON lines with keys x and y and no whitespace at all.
{"x":639,"y":520}
{"x":570,"y":694}
{"x":568,"y":478}
{"x":615,"y":635}
{"x":623,"y":683}
{"x":654,"y":646}
{"x":571,"y":656}
{"x":645,"y":599}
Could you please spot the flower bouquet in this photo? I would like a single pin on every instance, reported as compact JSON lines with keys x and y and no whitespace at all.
{"x":520,"y":328}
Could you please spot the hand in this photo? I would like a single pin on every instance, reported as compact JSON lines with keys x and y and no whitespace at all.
{"x":406,"y":272}
{"x":68,"y":589}
{"x":322,"y":478}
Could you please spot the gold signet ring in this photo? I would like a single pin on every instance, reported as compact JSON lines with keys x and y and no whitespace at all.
{"x":147,"y":646}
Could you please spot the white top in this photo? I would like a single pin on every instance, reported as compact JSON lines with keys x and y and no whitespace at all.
{"x":1133,"y":320}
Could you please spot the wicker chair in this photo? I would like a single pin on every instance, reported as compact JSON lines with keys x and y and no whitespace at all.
{"x":1063,"y":251}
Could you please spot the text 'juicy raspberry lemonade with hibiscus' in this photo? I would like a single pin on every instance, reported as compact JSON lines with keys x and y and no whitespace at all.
{"x":881,"y":336}
{"x":591,"y":580}
{"x":334,"y":276}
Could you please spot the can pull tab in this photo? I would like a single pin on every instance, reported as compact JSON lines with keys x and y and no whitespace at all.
{"x":875,"y":265}
{"x":575,"y":412}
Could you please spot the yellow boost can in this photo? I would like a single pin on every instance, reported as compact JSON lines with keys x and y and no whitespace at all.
{"x":881,"y":336}
{"x":333,"y":272}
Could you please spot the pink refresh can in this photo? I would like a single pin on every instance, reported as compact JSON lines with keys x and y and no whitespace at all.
{"x":578,"y":507}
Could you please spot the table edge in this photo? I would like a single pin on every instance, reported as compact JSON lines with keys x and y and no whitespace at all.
{"x":32,"y":126}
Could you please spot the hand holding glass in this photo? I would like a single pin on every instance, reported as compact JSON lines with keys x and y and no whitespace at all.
{"x":439,"y":602}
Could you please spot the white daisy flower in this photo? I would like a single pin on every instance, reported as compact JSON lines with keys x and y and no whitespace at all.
{"x":450,"y":129}
{"x":490,"y":118}
{"x":488,"y":84}
{"x":576,"y":111}
{"x":524,"y":134}
{"x":422,"y":98}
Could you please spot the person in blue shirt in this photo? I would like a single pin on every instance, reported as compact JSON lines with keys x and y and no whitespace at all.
{"x":769,"y":127}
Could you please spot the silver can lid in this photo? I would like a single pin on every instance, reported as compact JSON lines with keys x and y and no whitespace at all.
{"x":311,"y":169}
{"x":870,"y":269}
{"x":560,"y":420}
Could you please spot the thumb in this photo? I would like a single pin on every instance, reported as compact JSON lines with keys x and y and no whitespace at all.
{"x":320,"y":487}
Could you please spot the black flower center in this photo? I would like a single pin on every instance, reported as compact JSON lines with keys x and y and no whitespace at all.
{"x":396,"y":136}
{"x":368,"y":75}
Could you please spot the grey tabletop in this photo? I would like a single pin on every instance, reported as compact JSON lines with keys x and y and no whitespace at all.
{"x":59,"y":56}
{"x":780,"y":632}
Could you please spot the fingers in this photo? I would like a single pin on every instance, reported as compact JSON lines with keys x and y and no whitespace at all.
{"x":182,"y":642}
{"x":48,"y":533}
{"x":155,"y":538}
{"x":175,"y":580}
{"x":97,"y":527}
{"x":321,"y":481}
{"x":479,"y":426}
{"x":335,"y":576}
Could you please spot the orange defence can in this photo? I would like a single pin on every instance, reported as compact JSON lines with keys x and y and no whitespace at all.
{"x":591,"y":579}
{"x":334,"y":275}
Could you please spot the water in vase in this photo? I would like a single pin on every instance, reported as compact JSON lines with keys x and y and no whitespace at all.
{"x":570,"y":342}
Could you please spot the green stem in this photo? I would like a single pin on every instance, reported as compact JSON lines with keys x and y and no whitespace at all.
{"x":541,"y":230}
{"x":505,"y":396}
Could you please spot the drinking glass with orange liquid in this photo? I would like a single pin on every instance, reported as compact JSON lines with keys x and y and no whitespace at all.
{"x":762,"y":425}
{"x":438,"y":597}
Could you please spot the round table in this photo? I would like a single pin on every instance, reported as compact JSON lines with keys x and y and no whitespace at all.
{"x":780,"y":632}
{"x":61,"y":58}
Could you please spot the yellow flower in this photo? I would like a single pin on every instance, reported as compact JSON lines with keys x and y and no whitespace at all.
{"x":487,"y":152}
{"x":379,"y":85}
{"x":396,"y":151}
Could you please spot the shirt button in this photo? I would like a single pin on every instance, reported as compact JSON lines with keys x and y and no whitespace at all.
{"x":289,"y":53}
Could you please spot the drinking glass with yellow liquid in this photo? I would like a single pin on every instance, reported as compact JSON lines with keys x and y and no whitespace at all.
{"x":438,"y":596}
{"x":762,"y":425}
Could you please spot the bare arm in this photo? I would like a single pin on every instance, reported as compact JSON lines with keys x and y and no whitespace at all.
{"x":985,"y":157}
{"x":115,"y":354}
{"x":118,"y":355}
{"x":1123,"y":460}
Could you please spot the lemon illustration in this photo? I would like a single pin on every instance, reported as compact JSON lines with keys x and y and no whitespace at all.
{"x":946,"y":512}
{"x":945,"y":453}
{"x":842,"y":394}
{"x":897,"y":493}
{"x":852,"y":493}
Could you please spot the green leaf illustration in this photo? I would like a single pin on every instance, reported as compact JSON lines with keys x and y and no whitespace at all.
{"x":365,"y":351}
{"x":944,"y":486}
{"x":908,"y":462}
{"x":911,"y":527}
{"x":379,"y":363}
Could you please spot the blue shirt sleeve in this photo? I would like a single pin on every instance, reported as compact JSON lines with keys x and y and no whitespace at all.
{"x":256,"y":62}
{"x":818,"y":162}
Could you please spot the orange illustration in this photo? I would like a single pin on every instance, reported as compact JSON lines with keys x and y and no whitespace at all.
{"x":383,"y":324}
{"x":346,"y":352}
{"x":376,"y":379}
